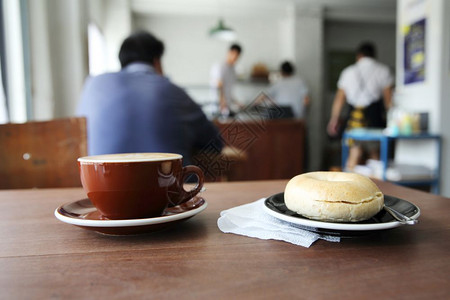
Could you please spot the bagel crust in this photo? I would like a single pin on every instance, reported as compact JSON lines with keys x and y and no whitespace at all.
{"x":333,"y":196}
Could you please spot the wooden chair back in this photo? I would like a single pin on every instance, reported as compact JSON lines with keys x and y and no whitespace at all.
{"x":42,"y":154}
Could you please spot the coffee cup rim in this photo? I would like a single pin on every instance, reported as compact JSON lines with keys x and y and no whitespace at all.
{"x":128,"y":157}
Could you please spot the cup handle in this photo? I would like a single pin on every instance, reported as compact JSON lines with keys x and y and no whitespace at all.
{"x":187,"y":195}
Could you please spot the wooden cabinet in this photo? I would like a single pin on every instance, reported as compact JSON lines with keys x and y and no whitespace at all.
{"x":270,"y":149}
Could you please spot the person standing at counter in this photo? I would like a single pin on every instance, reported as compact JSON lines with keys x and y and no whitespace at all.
{"x":367,"y":88}
{"x":139,"y":110}
{"x":290,"y":91}
{"x":223,"y":79}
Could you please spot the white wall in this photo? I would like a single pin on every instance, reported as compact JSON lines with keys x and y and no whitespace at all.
{"x":422,"y":96}
{"x":190,"y":52}
{"x":445,"y":98}
{"x":58,"y":56}
{"x":309,"y":45}
{"x":41,"y":72}
{"x":433,"y":94}
{"x":116,"y":27}
{"x":59,"y":62}
{"x":67,"y":37}
{"x":15,"y":68}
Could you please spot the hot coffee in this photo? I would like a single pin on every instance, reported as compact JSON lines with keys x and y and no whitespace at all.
{"x":136,"y":185}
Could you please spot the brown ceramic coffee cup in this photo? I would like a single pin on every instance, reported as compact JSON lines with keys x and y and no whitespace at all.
{"x":136,"y":185}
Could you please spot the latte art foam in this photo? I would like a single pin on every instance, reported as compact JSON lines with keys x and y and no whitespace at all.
{"x":129,"y":157}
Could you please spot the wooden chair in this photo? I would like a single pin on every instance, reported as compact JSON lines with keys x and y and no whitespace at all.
{"x":42,"y":154}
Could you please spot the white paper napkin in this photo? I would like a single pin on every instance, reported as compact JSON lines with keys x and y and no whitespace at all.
{"x":251,"y":220}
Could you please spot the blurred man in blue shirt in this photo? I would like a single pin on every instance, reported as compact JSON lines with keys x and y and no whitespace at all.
{"x":139,"y":110}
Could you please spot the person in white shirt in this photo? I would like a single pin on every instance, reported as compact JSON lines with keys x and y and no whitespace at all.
{"x":367,"y":88}
{"x":223,"y":78}
{"x":290,"y":91}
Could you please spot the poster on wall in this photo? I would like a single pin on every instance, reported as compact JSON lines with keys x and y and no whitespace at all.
{"x":414,"y":52}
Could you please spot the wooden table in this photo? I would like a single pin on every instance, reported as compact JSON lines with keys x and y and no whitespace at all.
{"x":42,"y":258}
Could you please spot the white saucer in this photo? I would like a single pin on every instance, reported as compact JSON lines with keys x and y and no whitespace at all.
{"x":82,"y":213}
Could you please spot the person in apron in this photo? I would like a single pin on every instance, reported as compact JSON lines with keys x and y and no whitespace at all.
{"x":366,"y":87}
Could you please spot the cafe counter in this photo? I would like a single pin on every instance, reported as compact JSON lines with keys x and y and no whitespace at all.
{"x":268,"y":149}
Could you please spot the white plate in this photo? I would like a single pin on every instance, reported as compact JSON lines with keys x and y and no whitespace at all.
{"x":275,"y":206}
{"x":82,"y":213}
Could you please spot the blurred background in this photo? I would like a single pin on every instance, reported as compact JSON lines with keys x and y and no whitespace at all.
{"x":49,"y":47}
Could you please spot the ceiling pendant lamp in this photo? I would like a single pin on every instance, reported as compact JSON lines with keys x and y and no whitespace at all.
{"x":222,"y":32}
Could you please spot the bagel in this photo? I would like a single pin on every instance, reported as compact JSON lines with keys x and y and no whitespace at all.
{"x":333,"y":196}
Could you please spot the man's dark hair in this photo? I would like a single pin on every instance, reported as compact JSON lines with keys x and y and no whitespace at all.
{"x":141,"y":46}
{"x":367,"y":49}
{"x":236,"y":47}
{"x":287,"y":68}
